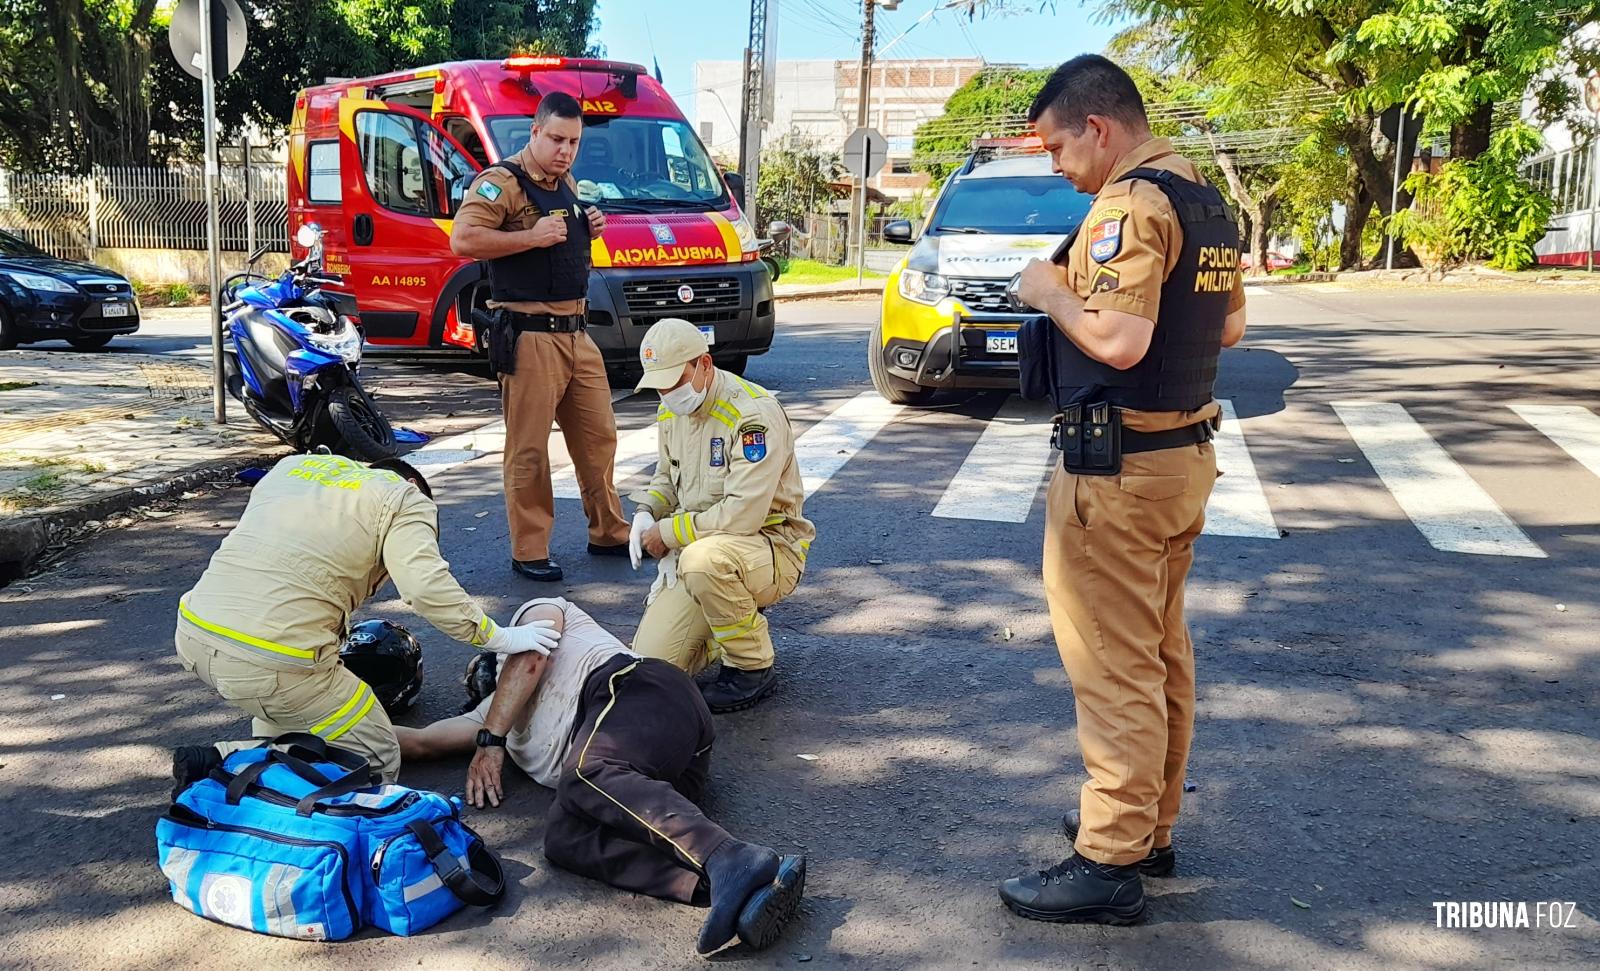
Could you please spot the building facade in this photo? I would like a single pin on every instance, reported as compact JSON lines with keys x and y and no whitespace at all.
{"x":817,"y":101}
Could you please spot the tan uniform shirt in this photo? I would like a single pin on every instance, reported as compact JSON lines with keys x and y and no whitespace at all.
{"x":1151,"y":242}
{"x":509,"y":211}
{"x":542,"y":734}
{"x":320,"y":535}
{"x":728,"y":468}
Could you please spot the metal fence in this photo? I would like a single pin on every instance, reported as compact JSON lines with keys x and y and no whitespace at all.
{"x":825,"y":238}
{"x":144,"y":208}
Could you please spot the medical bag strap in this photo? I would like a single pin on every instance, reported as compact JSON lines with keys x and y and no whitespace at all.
{"x":317,"y":747}
{"x":240,"y":784}
{"x":480,"y":883}
{"x":355,"y":781}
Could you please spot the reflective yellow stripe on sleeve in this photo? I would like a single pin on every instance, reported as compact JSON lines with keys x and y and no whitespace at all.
{"x":754,"y":391}
{"x":776,"y":519}
{"x":683,"y":528}
{"x":297,"y":653}
{"x":725,"y":412}
{"x":660,"y":497}
{"x":485,"y":631}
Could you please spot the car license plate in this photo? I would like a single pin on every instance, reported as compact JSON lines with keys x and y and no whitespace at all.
{"x":116,"y":310}
{"x":1001,"y":342}
{"x":710,"y":332}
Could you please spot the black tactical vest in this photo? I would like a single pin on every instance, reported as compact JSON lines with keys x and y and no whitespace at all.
{"x":1179,"y":371}
{"x":550,"y":273}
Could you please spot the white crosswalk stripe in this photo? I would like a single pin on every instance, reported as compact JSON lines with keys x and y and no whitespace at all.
{"x":1238,"y":505}
{"x":1451,"y":510}
{"x":1000,"y":478}
{"x":1573,"y":427}
{"x":825,"y":447}
{"x":636,"y":451}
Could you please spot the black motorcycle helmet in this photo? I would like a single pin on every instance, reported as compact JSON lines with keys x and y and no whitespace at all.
{"x":388,"y":659}
{"x":482,"y":672}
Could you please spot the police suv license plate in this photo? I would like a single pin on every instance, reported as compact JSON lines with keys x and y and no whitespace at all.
{"x":710,"y":332}
{"x":116,"y":310}
{"x":1001,"y":342}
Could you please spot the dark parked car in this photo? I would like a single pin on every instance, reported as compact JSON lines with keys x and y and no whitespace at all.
{"x":44,"y":298}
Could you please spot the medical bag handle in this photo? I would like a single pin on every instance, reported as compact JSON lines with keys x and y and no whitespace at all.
{"x":355,"y":781}
{"x":319,"y":750}
{"x":241,"y":783}
{"x":480,"y":883}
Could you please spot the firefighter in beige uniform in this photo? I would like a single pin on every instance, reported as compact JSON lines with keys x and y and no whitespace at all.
{"x":723,"y":513}
{"x":263,"y":625}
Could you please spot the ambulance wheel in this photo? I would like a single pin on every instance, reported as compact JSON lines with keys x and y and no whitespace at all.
{"x":363,"y":431}
{"x":890,"y":388}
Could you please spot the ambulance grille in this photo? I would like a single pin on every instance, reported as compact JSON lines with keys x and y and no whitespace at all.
{"x":987,"y":296}
{"x":714,"y":298}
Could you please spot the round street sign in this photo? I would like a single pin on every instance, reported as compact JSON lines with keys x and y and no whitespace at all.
{"x":228,"y":26}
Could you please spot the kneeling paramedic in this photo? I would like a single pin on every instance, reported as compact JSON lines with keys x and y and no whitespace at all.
{"x":625,"y":742}
{"x":264,"y":624}
{"x":723,"y":514}
{"x":1146,"y":297}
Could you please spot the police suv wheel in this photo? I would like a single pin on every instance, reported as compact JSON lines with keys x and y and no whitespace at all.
{"x":887,"y":386}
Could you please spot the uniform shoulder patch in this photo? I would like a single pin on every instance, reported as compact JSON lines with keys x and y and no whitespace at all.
{"x":1105,"y":233}
{"x":1105,"y":279}
{"x":753,"y":439}
{"x":488,"y":190}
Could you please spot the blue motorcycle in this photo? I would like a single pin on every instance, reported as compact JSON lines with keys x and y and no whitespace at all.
{"x":293,"y":357}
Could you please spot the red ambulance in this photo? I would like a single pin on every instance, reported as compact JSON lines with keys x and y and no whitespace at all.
{"x":382,"y":164}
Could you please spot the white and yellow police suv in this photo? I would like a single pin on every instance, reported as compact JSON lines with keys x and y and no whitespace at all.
{"x":946,"y":322}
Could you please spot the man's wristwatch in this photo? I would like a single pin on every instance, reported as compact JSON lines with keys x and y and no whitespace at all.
{"x":487,"y":738}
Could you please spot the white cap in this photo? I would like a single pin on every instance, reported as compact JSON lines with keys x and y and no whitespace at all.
{"x":668,"y":345}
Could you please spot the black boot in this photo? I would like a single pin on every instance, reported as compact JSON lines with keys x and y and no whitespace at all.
{"x":736,"y":690}
{"x":736,"y":871}
{"x":546,"y":570}
{"x":190,"y":764}
{"x":772,"y":907}
{"x":1160,"y":863}
{"x":1077,"y":891}
{"x":595,"y":549}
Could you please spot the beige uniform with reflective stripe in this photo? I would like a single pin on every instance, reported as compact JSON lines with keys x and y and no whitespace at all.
{"x":263,"y":625}
{"x":736,"y":523}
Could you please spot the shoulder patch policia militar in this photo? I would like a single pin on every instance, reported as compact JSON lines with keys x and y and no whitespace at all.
{"x":753,"y":438}
{"x":489,"y":191}
{"x":1105,"y":233}
{"x":1105,"y":279}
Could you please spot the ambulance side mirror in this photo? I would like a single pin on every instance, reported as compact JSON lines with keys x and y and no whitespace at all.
{"x":735,"y":186}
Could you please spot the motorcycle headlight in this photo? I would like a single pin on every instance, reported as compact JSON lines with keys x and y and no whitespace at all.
{"x":38,"y":281}
{"x":928,"y":288}
{"x":344,"y":344}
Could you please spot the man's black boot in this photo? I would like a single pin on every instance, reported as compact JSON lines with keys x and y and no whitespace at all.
{"x":772,"y":907}
{"x":547,"y":571}
{"x":190,"y":764}
{"x":736,"y":690}
{"x":735,"y":872}
{"x":1077,"y":891}
{"x":1160,"y":863}
{"x":596,"y":549}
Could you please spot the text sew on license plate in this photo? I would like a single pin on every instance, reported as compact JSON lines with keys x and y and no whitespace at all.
{"x":710,"y":332}
{"x":116,"y":310}
{"x":1001,"y":342}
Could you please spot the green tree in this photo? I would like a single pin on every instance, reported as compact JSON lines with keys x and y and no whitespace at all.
{"x":995,"y":101}
{"x":794,"y":181}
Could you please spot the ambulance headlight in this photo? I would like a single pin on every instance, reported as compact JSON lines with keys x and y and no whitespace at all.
{"x":928,"y":288}
{"x":747,"y":234}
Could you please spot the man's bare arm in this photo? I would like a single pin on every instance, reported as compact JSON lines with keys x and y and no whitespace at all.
{"x":1233,"y":328}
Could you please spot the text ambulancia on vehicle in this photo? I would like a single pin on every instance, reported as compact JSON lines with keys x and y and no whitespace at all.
{"x":383,"y":163}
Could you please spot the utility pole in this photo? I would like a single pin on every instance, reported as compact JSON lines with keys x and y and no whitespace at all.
{"x":1394,"y":195}
{"x":760,"y":75}
{"x":858,"y":194}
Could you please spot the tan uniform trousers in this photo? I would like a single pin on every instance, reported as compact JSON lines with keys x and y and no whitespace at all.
{"x":559,"y":377}
{"x":328,"y":701}
{"x":714,"y":610}
{"x":1117,"y":552}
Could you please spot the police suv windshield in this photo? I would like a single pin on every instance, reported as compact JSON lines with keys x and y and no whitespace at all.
{"x":1011,"y":205}
{"x":632,"y":164}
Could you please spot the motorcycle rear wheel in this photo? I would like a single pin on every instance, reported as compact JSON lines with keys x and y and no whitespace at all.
{"x":362,"y":430}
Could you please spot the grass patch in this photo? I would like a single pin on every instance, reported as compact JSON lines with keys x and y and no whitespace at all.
{"x":813,"y":272}
{"x":17,"y":385}
{"x":52,"y":462}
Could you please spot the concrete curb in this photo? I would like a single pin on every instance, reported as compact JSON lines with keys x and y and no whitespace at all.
{"x":1286,"y":281}
{"x":831,"y":292}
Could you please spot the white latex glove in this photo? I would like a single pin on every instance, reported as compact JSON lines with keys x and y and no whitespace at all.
{"x":666,"y":576}
{"x":642,"y":521}
{"x":535,"y":635}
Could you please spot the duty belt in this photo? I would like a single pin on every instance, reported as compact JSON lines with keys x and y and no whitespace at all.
{"x":1092,"y":439}
{"x":545,"y":323}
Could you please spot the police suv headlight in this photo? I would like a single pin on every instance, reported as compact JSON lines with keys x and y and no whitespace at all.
{"x":38,"y":281}
{"x":344,"y":344}
{"x":928,"y":288}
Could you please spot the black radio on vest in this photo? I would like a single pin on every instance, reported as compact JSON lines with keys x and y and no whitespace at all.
{"x":1179,"y":371}
{"x":550,"y":273}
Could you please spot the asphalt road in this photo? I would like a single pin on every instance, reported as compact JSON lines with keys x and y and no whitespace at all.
{"x":1395,"y":623}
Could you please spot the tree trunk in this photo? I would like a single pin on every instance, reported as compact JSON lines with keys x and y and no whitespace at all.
{"x":1357,"y":207}
{"x":1470,"y":138}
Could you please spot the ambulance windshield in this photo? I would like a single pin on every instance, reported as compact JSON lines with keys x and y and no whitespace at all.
{"x":649,"y":164}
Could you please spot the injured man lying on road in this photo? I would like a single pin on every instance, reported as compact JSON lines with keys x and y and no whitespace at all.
{"x":625,"y":742}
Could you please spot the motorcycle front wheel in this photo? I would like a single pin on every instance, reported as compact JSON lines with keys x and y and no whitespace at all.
{"x":363,"y":431}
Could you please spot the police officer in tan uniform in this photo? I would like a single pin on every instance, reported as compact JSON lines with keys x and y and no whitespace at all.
{"x":723,"y":513}
{"x":263,"y":625}
{"x":1137,"y":318}
{"x":524,"y":218}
